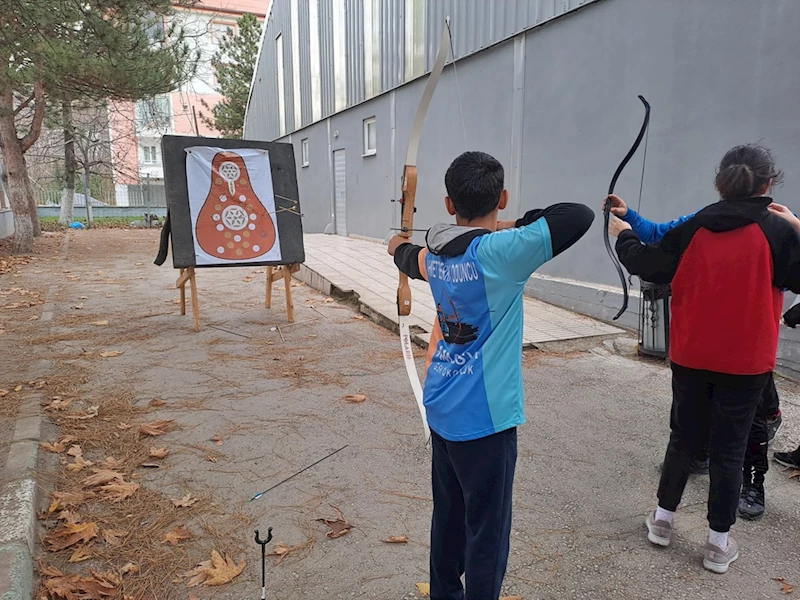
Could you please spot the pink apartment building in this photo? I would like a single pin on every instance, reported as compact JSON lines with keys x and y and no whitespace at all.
{"x":136,"y":129}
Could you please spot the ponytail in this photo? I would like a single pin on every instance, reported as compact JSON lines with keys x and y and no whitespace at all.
{"x":745,"y":171}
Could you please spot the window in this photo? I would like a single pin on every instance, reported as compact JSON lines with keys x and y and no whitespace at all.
{"x":154,"y":113}
{"x":304,"y":152}
{"x":150,"y":156}
{"x":220,"y":29}
{"x":281,"y":83}
{"x":370,"y":137}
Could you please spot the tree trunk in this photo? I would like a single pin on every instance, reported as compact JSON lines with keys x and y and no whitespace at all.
{"x":15,"y":178}
{"x":68,"y":194}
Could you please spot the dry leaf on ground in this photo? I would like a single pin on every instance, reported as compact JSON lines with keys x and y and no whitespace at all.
{"x":61,"y":500}
{"x":129,"y":568}
{"x":794,"y":473}
{"x":113,"y":537}
{"x":158,"y":452}
{"x":177,"y":535}
{"x":100,"y":323}
{"x":355,"y":398}
{"x":80,"y":554}
{"x":64,"y":537}
{"x":79,"y":464}
{"x":210,"y":458}
{"x":786,"y":587}
{"x":117,"y":492}
{"x":69,"y":517}
{"x":184,"y":502}
{"x":157,"y":402}
{"x":397,"y":539}
{"x":112,"y":463}
{"x":59,"y":446}
{"x":59,"y":404}
{"x":216,"y":571}
{"x":110,"y":353}
{"x":75,"y":450}
{"x":156,"y":428}
{"x":424,"y":589}
{"x":339,"y":526}
{"x":123,"y":426}
{"x":218,"y":440}
{"x":102,"y":477}
{"x":96,"y":587}
{"x":89,"y":414}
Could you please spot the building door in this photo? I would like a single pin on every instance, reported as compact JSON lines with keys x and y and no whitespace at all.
{"x":340,"y":192}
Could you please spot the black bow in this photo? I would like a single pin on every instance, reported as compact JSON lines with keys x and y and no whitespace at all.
{"x":607,"y":209}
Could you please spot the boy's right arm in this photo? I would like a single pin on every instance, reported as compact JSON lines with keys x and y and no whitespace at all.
{"x":538,"y":236}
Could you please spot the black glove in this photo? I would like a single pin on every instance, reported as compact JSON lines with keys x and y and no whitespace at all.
{"x":792,"y":316}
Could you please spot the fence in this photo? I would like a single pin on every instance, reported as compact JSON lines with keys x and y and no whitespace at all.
{"x":145,"y":195}
{"x":124,"y":212}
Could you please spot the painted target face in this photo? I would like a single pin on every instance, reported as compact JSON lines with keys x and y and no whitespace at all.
{"x":233,"y":223}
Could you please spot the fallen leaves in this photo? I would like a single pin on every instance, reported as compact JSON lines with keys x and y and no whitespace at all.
{"x":113,"y":537}
{"x":155,"y":402}
{"x":70,"y":534}
{"x":216,"y":571}
{"x":156,"y":428}
{"x":218,"y":440}
{"x":59,"y":446}
{"x":786,"y":587}
{"x":61,"y":500}
{"x":80,"y":554}
{"x":158,"y":452}
{"x":177,"y":535}
{"x":110,"y":353}
{"x":794,"y":473}
{"x":355,"y":398}
{"x":338,"y":526}
{"x":99,"y":323}
{"x":119,"y":491}
{"x":89,"y":414}
{"x":68,"y":587}
{"x":396,"y":539}
{"x":103,"y":477}
{"x":184,"y":502}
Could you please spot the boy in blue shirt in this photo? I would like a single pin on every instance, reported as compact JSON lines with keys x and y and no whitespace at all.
{"x":473,"y":395}
{"x":768,"y":419}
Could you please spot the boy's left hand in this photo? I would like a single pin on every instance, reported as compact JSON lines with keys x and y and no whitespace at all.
{"x":396,"y":242}
{"x":617,"y":226}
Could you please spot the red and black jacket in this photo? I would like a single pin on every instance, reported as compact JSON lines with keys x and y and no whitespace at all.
{"x":727,"y":266}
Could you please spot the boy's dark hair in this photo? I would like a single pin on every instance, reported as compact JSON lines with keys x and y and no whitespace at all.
{"x":744,"y":171}
{"x":474,"y":182}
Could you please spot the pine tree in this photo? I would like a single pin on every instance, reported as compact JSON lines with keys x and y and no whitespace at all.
{"x":233,"y":65}
{"x":68,"y":50}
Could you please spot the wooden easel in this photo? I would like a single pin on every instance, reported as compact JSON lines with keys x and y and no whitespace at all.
{"x":282,"y":272}
{"x":187,"y":275}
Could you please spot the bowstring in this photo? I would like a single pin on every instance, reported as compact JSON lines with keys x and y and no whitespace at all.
{"x":644,"y":162}
{"x":458,"y":88}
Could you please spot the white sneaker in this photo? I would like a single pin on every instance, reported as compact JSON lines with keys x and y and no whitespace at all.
{"x":718,"y":560}
{"x":658,"y":532}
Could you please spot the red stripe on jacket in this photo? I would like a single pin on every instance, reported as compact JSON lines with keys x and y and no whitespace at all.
{"x":725,"y":309}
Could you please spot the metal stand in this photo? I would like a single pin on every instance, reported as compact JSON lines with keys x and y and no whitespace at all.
{"x":654,"y":316}
{"x":263,"y":544}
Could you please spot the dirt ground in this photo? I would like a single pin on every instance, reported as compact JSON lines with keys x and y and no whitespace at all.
{"x":250,"y":400}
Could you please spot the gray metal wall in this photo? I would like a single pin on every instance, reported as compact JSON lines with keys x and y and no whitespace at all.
{"x":557,"y":105}
{"x":476,"y":24}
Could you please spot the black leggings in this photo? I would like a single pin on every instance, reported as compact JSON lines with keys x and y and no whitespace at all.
{"x":714,"y":411}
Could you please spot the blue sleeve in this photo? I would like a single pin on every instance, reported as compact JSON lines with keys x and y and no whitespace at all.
{"x":516,"y":253}
{"x":648,"y":231}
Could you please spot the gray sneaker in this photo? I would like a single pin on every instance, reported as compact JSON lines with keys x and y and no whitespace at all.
{"x":718,"y":560}
{"x":658,"y":532}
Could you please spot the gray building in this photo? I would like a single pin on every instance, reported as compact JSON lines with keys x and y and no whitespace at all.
{"x":550,"y":88}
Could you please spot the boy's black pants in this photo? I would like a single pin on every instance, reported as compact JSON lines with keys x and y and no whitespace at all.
{"x":714,"y":410}
{"x":756,"y":461}
{"x":471,"y":525}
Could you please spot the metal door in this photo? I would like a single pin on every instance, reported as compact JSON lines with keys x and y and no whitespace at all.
{"x":340,"y":192}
